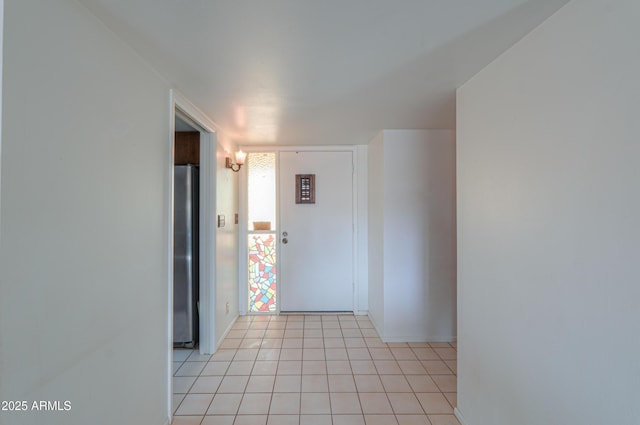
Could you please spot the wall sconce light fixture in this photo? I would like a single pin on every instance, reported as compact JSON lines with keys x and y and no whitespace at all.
{"x":240,"y":157}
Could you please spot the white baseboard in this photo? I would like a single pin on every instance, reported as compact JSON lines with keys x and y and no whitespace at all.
{"x":375,"y":326}
{"x":420,"y":339}
{"x":226,"y":332}
{"x":460,"y":417}
{"x":361,"y":313}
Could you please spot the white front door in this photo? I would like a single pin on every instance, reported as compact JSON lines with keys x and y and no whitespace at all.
{"x":316,"y":255}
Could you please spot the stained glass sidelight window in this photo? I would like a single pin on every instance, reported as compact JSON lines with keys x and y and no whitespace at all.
{"x":261,"y":179}
{"x":262,"y":273}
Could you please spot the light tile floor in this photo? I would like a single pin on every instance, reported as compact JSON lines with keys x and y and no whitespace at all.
{"x":314,"y":370}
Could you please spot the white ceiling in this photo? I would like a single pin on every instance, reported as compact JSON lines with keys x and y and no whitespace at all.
{"x":323,"y":71}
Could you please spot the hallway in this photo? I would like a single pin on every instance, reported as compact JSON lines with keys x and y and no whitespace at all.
{"x":314,"y":370}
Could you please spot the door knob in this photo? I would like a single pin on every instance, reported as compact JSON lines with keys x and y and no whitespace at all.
{"x":285,"y":241}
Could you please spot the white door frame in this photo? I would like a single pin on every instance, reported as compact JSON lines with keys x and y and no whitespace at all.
{"x":243,"y":290}
{"x":207,"y":229}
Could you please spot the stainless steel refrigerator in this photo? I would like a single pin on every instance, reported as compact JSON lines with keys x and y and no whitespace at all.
{"x":185,"y":256}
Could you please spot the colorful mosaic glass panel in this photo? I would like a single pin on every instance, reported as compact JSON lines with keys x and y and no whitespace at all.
{"x":262,"y":273}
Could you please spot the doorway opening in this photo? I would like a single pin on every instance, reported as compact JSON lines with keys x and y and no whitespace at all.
{"x":198,"y":152}
{"x":186,"y":233}
{"x":299,"y":218}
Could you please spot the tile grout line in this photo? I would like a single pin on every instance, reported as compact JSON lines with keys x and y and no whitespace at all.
{"x":369,"y":345}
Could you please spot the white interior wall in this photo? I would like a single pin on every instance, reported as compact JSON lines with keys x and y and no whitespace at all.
{"x":419,"y":235}
{"x":1,"y":56}
{"x":548,"y":235}
{"x":84,"y":224}
{"x":226,"y":241}
{"x":412,"y":235}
